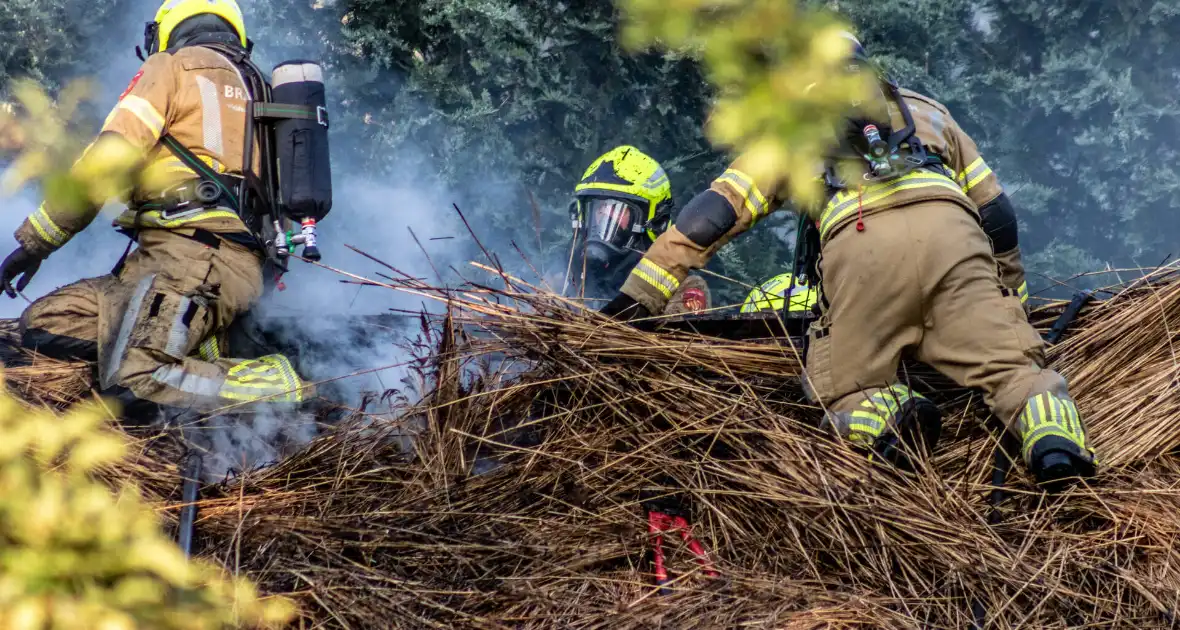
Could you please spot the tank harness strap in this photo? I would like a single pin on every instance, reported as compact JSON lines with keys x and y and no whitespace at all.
{"x":285,"y":111}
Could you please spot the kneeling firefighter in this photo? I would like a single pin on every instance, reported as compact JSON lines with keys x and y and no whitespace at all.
{"x":621,"y":205}
{"x":212,"y":131}
{"x":905,"y":266}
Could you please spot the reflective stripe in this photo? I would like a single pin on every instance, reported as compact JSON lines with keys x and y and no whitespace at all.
{"x":657,"y":179}
{"x":130,"y":316}
{"x":1022,"y":291}
{"x":1046,"y":414}
{"x":973,"y":174}
{"x":753,"y":199}
{"x":846,"y":203}
{"x":210,"y":349}
{"x":155,"y":218}
{"x":876,"y":412}
{"x":210,"y":115}
{"x":145,"y":112}
{"x":47,"y":229}
{"x":178,"y":334}
{"x":174,"y":165}
{"x":272,"y":377}
{"x":176,"y":377}
{"x":651,"y":273}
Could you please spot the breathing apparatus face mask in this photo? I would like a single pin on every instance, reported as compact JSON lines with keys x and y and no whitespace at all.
{"x":612,"y":227}
{"x":609,"y":231}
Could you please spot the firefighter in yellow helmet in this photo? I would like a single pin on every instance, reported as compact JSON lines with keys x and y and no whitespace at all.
{"x":781,"y":291}
{"x":197,"y":265}
{"x":621,"y":205}
{"x":905,"y":267}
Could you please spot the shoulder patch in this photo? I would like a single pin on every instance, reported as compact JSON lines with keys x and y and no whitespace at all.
{"x":131,"y":86}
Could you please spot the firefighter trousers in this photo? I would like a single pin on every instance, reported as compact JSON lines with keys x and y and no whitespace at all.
{"x":921,"y":279}
{"x":144,"y":326}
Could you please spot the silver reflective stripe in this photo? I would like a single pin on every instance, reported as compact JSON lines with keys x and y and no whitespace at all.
{"x":115,"y":360}
{"x":211,"y":116}
{"x":297,"y":73}
{"x":178,"y":335}
{"x":176,"y":377}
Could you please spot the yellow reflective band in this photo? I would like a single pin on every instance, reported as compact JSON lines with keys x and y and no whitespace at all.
{"x":47,"y":229}
{"x":145,"y":112}
{"x":155,"y":219}
{"x":846,"y":203}
{"x":973,"y":174}
{"x":209,"y":349}
{"x":652,"y":274}
{"x":1045,"y":415}
{"x":752,"y":198}
{"x":271,"y":377}
{"x":1023,"y":292}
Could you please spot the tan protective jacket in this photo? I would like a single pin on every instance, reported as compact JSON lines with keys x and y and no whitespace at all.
{"x":966,"y":180}
{"x":196,"y":95}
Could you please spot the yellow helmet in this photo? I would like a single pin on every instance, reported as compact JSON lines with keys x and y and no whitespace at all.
{"x":628,"y":174}
{"x":772,"y":293}
{"x":173,"y":12}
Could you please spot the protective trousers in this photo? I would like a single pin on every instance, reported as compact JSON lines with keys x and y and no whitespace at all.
{"x":144,"y":326}
{"x":922,"y":279}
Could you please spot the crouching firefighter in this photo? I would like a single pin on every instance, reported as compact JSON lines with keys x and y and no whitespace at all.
{"x":905,"y":266}
{"x":621,"y":205}
{"x":211,"y":131}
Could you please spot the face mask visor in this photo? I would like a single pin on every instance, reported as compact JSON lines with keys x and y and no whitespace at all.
{"x":615,"y":222}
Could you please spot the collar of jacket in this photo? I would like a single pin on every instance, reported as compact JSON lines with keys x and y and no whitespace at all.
{"x":201,"y":39}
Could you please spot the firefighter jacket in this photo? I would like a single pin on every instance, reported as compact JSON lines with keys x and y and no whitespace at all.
{"x":198,"y":97}
{"x":964,"y":178}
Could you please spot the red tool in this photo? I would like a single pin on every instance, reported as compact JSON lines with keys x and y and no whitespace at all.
{"x":666,"y":517}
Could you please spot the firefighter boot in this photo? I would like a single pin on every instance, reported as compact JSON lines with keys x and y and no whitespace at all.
{"x":918,"y":427}
{"x":1057,"y":463}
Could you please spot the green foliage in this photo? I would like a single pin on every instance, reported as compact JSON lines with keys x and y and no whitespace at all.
{"x":44,"y":39}
{"x":74,"y":555}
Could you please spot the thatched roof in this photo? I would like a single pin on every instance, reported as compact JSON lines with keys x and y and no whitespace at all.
{"x":567,"y":417}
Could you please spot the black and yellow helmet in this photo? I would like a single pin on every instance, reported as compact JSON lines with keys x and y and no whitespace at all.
{"x":623,"y":194}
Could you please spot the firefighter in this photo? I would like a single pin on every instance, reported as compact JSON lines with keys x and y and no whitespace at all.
{"x":621,"y":205}
{"x":196,"y":266}
{"x":905,"y":266}
{"x":779,"y":291}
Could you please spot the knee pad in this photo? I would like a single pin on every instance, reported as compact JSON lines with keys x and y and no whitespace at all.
{"x":706,"y":218}
{"x":998,"y":218}
{"x":58,"y":346}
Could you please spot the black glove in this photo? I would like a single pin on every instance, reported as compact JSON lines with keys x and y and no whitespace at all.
{"x":19,"y":262}
{"x":624,"y":308}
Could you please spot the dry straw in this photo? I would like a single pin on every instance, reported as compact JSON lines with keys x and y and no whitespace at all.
{"x":567,"y":417}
